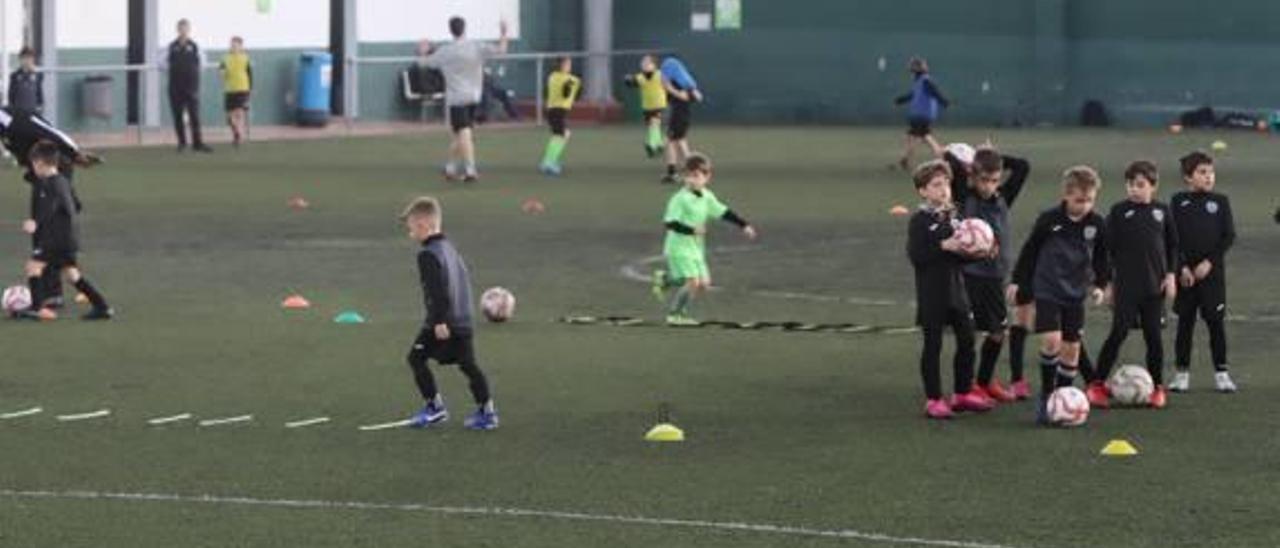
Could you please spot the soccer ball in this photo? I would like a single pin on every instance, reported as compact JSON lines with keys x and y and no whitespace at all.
{"x":962,"y":151}
{"x":975,"y":236}
{"x":16,"y":299}
{"x":1068,"y":406}
{"x":498,"y":304}
{"x":1131,"y":385}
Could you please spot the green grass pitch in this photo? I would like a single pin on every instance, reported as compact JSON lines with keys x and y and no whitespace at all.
{"x":814,"y":431}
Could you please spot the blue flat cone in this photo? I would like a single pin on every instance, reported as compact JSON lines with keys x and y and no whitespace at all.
{"x":349,"y":316}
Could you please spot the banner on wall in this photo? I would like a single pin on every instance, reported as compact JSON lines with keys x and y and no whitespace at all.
{"x":728,"y":14}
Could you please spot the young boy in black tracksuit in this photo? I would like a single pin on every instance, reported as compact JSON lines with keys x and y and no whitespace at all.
{"x":979,"y":193}
{"x":20,"y":130}
{"x":1143,"y":244}
{"x":1206,"y":231}
{"x":55,"y":230}
{"x":1064,"y":257}
{"x":940,"y":294}
{"x":446,"y":336}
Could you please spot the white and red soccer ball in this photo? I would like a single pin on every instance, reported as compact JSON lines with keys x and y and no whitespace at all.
{"x":16,"y":299}
{"x":1067,"y":406}
{"x":1131,"y":385}
{"x":497,"y":304}
{"x":974,"y":236}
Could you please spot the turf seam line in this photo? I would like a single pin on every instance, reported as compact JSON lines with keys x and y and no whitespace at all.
{"x":22,"y":413}
{"x":386,"y":425}
{"x":226,"y":420}
{"x":170,"y":419}
{"x":85,"y":416}
{"x":306,"y":422}
{"x":776,"y":529}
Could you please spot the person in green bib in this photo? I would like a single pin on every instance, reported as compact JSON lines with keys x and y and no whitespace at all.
{"x":685,"y":245}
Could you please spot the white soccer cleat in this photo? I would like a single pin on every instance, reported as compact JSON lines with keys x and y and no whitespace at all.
{"x":1181,"y":381}
{"x":1223,"y":380}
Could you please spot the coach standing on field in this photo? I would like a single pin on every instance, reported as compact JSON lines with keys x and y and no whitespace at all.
{"x":185,"y":61}
{"x":462,"y":62}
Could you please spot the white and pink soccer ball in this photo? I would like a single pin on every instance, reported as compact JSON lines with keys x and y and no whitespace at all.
{"x":975,"y":236}
{"x":1068,"y":406}
{"x":1131,"y":385}
{"x":497,"y":304}
{"x":16,"y":299}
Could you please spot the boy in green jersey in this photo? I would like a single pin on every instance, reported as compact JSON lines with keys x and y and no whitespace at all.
{"x":686,"y":218}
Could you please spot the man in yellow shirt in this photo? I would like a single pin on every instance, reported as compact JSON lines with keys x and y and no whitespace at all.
{"x":562,"y":89}
{"x":237,"y":82}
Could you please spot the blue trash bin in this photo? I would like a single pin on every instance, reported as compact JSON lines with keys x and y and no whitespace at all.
{"x":315,"y":80}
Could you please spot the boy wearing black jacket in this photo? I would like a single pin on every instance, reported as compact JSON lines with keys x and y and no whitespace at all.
{"x":1206,"y":231}
{"x":940,"y":294}
{"x":1061,"y":264}
{"x":55,"y":230}
{"x":979,"y":192}
{"x":446,"y":335}
{"x":1143,"y":244}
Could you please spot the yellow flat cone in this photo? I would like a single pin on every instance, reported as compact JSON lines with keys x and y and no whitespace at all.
{"x":1219,"y":145}
{"x":1119,"y":448}
{"x":295,"y":302}
{"x":665,"y":432}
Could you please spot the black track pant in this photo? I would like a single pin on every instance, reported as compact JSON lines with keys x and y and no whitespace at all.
{"x":931,"y":355}
{"x":1145,"y":313}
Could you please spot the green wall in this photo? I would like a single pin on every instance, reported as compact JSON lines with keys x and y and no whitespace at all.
{"x":816,"y":61}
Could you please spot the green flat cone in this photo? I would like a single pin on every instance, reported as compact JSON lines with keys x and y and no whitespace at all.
{"x":349,"y":316}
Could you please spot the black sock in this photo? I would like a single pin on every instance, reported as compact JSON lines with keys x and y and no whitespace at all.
{"x":987,"y":360}
{"x":83,"y":286}
{"x":1017,"y":347}
{"x":1085,"y":366}
{"x":671,"y":170}
{"x":35,"y":287}
{"x":1065,"y":375}
{"x":1048,"y":370}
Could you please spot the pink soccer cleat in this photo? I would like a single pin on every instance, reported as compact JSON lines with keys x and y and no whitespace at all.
{"x":937,"y":409}
{"x":971,"y":401}
{"x":1021,"y":390}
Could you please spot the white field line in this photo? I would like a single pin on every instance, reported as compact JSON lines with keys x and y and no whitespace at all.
{"x":22,"y":413}
{"x":306,"y":422}
{"x":227,"y":420}
{"x":85,"y":416}
{"x":159,"y":421}
{"x":762,"y":528}
{"x":386,"y":425}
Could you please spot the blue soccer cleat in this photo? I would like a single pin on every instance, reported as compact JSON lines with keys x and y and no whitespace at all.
{"x":1042,"y":412}
{"x":433,"y":413}
{"x":485,"y":418}
{"x":550,"y":170}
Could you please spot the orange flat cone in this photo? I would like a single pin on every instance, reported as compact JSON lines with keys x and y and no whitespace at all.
{"x":295,"y":302}
{"x":899,"y":210}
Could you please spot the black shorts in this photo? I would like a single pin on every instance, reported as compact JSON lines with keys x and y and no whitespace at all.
{"x":986,"y":298}
{"x":54,"y":258}
{"x":678,"y":124}
{"x":236,"y":100}
{"x":462,"y":117}
{"x":652,"y":114}
{"x":458,"y":349}
{"x":1067,"y":318}
{"x":1208,"y":298}
{"x":919,"y":127}
{"x":556,"y":119}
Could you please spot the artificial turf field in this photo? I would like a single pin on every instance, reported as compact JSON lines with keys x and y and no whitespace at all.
{"x":821,"y":433}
